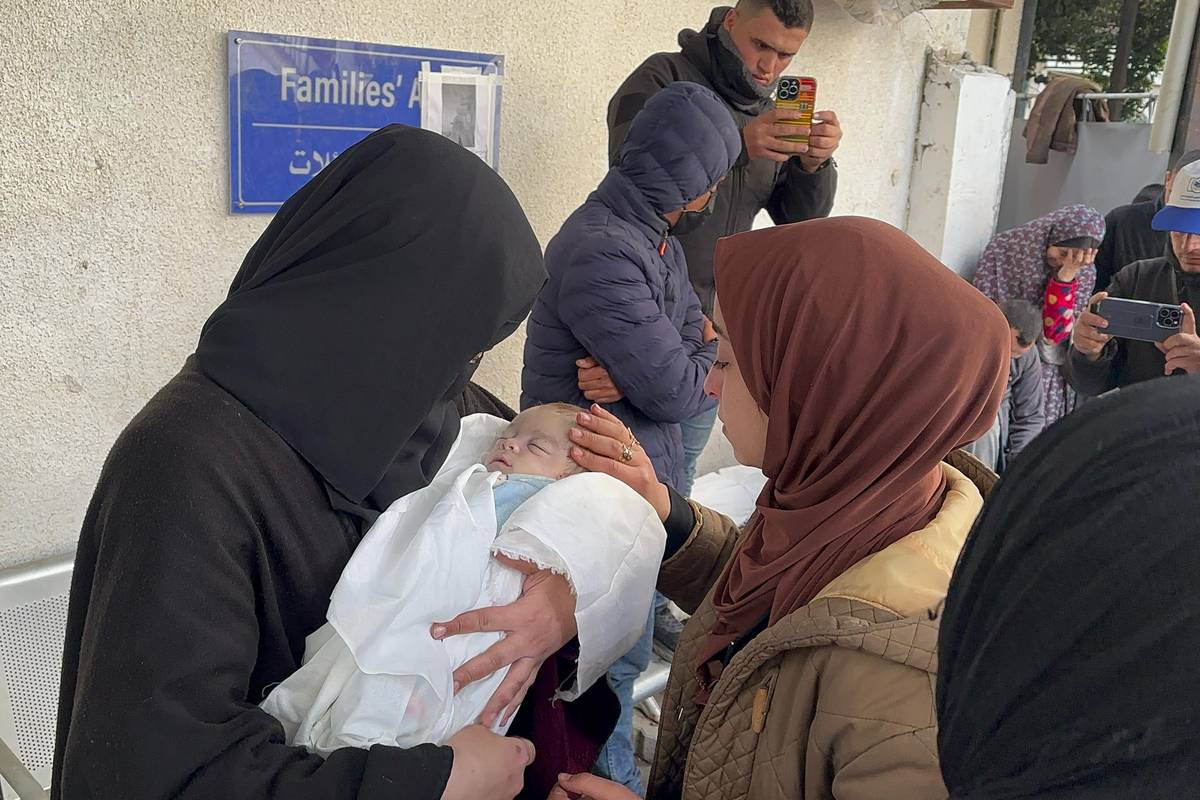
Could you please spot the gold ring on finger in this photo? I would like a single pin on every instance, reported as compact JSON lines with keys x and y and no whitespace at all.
{"x":626,"y":453}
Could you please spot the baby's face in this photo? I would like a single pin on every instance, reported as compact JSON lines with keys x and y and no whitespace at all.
{"x":535,"y":443}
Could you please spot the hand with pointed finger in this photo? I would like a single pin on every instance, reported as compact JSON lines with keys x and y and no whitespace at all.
{"x":487,"y":766}
{"x":589,"y":787}
{"x":595,"y":382}
{"x":1183,"y":349}
{"x":600,"y":442}
{"x":537,"y":625}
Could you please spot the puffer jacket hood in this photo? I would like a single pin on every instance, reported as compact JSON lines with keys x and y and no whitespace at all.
{"x":679,"y":146}
{"x":618,"y":290}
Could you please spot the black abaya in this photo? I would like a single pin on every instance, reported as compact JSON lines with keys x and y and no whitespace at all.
{"x":322,"y":390}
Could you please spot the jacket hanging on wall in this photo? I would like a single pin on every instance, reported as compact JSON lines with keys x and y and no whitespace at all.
{"x":1053,"y":123}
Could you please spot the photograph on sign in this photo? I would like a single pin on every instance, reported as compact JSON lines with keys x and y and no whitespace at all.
{"x":460,"y":104}
{"x":458,"y":114}
{"x":296,"y":103}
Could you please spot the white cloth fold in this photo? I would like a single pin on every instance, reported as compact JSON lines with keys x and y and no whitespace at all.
{"x":374,"y":675}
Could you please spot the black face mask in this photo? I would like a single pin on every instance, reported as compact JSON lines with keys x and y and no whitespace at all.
{"x":691,"y":221}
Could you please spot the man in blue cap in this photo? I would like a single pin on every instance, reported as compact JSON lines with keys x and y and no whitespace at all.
{"x":1099,"y":362}
{"x":1129,"y":233}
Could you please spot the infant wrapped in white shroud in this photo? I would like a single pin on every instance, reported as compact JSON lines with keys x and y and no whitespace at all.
{"x":374,"y":675}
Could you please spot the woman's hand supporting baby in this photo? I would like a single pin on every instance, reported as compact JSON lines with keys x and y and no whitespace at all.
{"x":537,"y":626}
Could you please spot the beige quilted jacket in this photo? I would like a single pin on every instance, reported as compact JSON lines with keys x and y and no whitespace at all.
{"x":833,"y":701}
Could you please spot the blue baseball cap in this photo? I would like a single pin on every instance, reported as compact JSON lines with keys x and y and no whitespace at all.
{"x":1182,"y":211}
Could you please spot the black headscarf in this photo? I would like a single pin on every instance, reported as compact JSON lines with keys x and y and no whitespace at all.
{"x":1070,"y":641}
{"x":353,"y":324}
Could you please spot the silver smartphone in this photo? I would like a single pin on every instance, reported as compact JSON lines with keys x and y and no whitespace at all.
{"x":1139,"y":319}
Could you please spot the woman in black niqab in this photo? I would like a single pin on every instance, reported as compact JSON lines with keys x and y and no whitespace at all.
{"x":321,"y":390}
{"x":351,"y":327}
{"x":1070,"y":641}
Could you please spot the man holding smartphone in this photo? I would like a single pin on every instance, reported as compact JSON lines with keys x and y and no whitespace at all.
{"x":1129,"y":234}
{"x":1099,"y":362}
{"x":740,"y":54}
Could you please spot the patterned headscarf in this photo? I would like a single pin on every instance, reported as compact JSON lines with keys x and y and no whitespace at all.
{"x":1013,"y":267}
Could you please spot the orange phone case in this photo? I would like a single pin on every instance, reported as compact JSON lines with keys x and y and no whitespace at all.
{"x":797,"y":94}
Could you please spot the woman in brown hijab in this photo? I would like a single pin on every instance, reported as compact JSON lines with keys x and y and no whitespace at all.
{"x":851,"y":367}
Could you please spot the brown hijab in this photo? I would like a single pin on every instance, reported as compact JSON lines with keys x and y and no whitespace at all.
{"x":873,"y":362}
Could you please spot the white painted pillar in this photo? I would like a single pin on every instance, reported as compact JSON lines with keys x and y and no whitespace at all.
{"x":958,"y":169}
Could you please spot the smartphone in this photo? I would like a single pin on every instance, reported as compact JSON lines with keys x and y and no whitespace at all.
{"x":1138,"y":319}
{"x":797,"y":94}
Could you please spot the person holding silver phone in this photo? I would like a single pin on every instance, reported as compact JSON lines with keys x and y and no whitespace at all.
{"x":1109,"y":354}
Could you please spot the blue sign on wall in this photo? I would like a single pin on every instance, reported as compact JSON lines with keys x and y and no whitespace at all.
{"x":296,"y":102}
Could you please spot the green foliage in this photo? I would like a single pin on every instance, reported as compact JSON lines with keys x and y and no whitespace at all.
{"x":1086,"y":30}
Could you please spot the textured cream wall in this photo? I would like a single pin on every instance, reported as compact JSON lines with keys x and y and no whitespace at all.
{"x":992,"y":38}
{"x":114,"y":239}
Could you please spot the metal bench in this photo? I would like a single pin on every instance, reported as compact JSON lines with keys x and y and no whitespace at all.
{"x":33,"y":617}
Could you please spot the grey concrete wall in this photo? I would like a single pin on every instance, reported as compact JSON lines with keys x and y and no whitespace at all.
{"x":115,"y":243}
{"x":1113,"y":162}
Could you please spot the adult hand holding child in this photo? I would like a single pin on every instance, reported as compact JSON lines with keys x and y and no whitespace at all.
{"x":536,"y":627}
